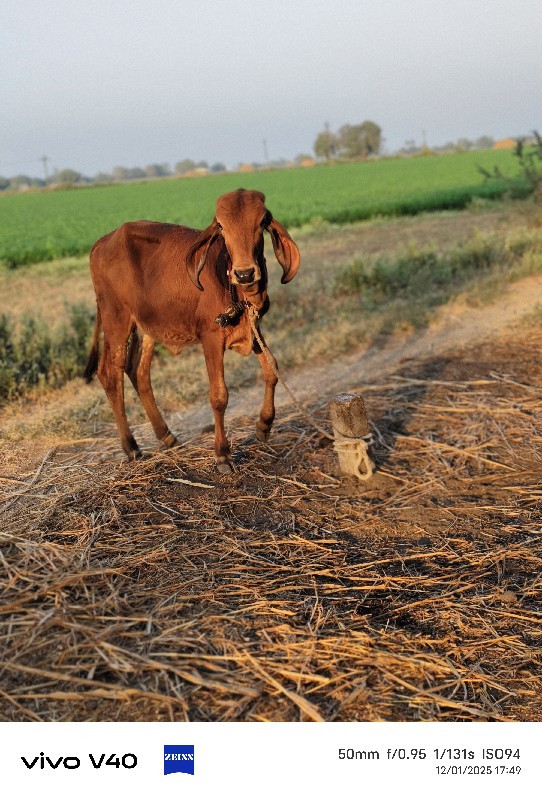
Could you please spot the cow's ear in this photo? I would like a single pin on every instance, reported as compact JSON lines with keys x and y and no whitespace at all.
{"x":286,"y":250}
{"x":197,"y":255}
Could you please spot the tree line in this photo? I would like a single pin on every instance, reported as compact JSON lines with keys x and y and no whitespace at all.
{"x":68,"y":177}
{"x":349,"y":143}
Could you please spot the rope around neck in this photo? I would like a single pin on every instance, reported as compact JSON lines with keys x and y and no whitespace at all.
{"x":359,"y":447}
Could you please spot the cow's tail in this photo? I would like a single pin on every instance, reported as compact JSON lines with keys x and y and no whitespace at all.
{"x":94,"y":355}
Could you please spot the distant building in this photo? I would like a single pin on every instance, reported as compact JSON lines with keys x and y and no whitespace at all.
{"x":246,"y":167}
{"x":307,"y":162}
{"x":195,"y":173}
{"x":504,"y":144}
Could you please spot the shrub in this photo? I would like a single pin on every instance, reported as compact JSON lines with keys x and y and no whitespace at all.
{"x":36,"y":356}
{"x":529,"y":161}
{"x":417,"y":273}
{"x":8,"y":377}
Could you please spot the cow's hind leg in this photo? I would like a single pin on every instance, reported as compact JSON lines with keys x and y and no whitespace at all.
{"x":213,"y":349}
{"x":111,"y":375}
{"x":138,"y":369}
{"x":267,"y":412}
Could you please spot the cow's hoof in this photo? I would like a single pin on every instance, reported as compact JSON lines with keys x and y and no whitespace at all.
{"x":224,"y":467}
{"x":263,"y":433}
{"x":169,"y":441}
{"x":134,"y":455}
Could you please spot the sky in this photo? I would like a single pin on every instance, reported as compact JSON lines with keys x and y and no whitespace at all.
{"x":95,"y":84}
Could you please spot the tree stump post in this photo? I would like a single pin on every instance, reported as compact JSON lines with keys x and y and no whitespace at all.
{"x":351,"y":435}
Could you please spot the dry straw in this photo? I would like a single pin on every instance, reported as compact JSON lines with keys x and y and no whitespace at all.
{"x":161,"y":591}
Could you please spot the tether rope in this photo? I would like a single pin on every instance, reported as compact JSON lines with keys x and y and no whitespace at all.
{"x":359,"y":446}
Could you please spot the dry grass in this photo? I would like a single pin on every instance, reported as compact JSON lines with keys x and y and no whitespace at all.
{"x":159,"y":591}
{"x":46,"y":290}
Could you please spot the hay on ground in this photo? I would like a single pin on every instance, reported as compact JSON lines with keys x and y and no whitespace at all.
{"x":162,"y":591}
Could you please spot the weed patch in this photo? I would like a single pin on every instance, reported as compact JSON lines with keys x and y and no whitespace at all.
{"x":433,"y":274}
{"x":33,"y":355}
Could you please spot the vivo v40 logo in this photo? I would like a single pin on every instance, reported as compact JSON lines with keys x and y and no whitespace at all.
{"x":128,"y":761}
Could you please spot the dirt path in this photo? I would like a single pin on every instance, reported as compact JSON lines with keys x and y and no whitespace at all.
{"x":456,"y":325}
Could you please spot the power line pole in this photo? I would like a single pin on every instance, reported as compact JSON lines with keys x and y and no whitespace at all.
{"x":265,"y":153}
{"x":45,"y":159}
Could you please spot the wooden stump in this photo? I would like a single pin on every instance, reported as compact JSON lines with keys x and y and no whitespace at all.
{"x":351,"y":431}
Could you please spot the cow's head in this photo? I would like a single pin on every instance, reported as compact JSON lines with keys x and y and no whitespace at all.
{"x":240,"y":220}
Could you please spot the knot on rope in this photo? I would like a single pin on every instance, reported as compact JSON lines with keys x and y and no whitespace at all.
{"x":356,"y":450}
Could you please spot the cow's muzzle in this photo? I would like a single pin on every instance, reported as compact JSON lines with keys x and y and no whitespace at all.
{"x":244,"y":276}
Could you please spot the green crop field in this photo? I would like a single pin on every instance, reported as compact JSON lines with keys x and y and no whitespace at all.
{"x":39,"y":226}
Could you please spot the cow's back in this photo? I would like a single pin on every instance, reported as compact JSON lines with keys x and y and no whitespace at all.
{"x":141,"y":268}
{"x":142,"y":259}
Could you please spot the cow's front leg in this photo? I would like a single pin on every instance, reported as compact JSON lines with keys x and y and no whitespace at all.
{"x":269,"y":367}
{"x":213,"y":349}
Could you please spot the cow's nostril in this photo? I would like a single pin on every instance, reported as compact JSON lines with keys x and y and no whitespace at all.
{"x":244,"y":275}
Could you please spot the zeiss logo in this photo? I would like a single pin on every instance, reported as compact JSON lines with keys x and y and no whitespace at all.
{"x":179,"y":758}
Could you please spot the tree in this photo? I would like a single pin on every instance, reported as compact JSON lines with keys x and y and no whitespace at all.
{"x":135,"y":173}
{"x":325,"y":145}
{"x":462,"y":145}
{"x":352,"y":142}
{"x":373,"y":137}
{"x":218,"y":167}
{"x":68,"y":176}
{"x":157,"y":170}
{"x":103,"y":177}
{"x":120,"y":173}
{"x":19,"y":181}
{"x":181,"y":167}
{"x":484,"y":142}
{"x":359,"y":141}
{"x":4,"y":183}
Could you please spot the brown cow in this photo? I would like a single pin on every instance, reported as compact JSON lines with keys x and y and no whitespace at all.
{"x":167,"y":283}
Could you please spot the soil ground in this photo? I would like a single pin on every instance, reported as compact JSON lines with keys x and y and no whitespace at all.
{"x":161,"y":590}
